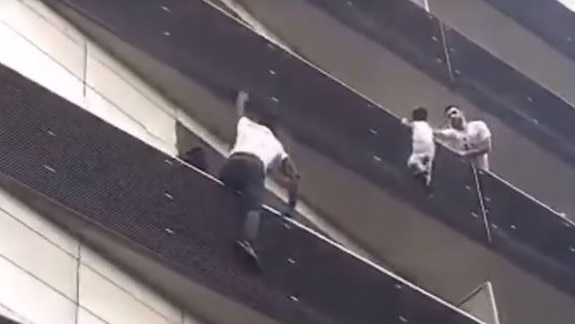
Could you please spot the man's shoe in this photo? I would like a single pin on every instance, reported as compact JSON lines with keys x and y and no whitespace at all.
{"x":249,"y":252}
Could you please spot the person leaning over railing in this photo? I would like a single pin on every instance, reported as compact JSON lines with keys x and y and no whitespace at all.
{"x":470,"y":140}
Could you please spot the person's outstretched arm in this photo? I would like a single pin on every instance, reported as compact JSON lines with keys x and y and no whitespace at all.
{"x":444,"y":133}
{"x":241,"y":101}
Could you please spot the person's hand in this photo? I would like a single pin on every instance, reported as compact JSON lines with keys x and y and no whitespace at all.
{"x":243,"y":97}
{"x":404,"y":121}
{"x":241,"y":100}
{"x":462,"y":154}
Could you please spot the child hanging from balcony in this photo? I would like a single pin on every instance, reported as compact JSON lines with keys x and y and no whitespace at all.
{"x":420,"y":162}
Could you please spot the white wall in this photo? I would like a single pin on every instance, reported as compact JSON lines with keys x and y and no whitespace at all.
{"x":46,"y":49}
{"x":46,"y":276}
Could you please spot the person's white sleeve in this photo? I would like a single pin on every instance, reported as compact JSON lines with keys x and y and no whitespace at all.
{"x":280,"y":157}
{"x":446,"y":132}
{"x":283,"y":154}
{"x":243,"y":123}
{"x":484,"y":132}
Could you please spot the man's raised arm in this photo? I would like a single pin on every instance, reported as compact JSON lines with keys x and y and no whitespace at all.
{"x":292,"y":176}
{"x":444,"y":133}
{"x":241,"y":101}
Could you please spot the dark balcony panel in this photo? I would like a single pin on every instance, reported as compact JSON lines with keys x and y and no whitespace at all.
{"x":400,"y":25}
{"x":512,"y":217}
{"x":549,"y":19}
{"x":455,"y":195}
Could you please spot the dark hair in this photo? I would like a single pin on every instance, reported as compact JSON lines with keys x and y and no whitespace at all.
{"x":419,"y":114}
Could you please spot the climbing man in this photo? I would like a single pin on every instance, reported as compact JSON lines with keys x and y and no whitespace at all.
{"x":255,"y":153}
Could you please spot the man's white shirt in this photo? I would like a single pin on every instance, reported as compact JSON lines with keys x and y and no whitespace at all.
{"x":258,"y":140}
{"x":473,"y":134}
